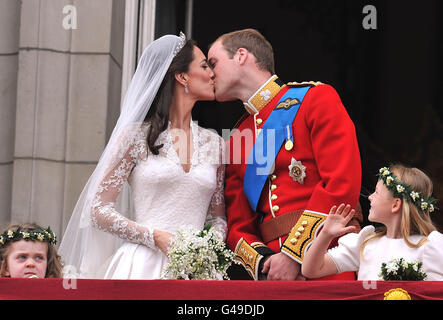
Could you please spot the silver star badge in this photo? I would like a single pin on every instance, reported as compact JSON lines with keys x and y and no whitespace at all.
{"x":297,"y":171}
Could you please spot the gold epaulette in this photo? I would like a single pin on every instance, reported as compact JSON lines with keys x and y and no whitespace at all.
{"x":302,"y":234}
{"x":304,"y":84}
{"x":248,"y":256}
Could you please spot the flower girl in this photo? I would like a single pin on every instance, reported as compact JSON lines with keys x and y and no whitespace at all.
{"x":28,"y":251}
{"x":402,"y":203}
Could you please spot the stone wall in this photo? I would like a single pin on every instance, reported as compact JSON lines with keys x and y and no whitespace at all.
{"x":60,"y":98}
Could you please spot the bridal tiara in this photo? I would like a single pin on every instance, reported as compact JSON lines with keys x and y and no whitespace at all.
{"x":181,"y":43}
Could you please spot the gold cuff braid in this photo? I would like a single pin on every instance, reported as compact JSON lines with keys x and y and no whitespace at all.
{"x":302,"y":234}
{"x":248,"y":257}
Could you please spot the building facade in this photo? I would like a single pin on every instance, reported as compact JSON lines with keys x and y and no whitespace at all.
{"x":64,"y":65}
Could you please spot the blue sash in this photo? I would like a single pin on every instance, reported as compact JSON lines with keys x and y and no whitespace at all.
{"x":267,"y":145}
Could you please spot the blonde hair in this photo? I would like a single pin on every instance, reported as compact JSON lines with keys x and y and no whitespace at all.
{"x":414,"y":220}
{"x":54,"y":264}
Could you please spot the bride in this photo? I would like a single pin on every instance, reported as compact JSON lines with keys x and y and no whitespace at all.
{"x":160,"y":171}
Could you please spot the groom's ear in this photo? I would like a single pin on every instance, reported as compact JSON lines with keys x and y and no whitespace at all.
{"x":181,"y":78}
{"x":241,"y":56}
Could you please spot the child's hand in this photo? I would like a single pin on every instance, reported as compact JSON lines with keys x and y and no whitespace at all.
{"x":338,"y":218}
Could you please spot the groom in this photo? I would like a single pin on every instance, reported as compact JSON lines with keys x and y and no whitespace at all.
{"x":293,"y":156}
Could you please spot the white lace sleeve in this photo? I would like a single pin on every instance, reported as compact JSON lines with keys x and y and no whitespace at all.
{"x":216,"y":213}
{"x":104,"y":215}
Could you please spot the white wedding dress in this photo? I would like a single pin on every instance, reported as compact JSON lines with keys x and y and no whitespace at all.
{"x":164,"y":197}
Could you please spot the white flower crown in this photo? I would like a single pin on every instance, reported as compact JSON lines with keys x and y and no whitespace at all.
{"x":404,"y":191}
{"x":37,"y":234}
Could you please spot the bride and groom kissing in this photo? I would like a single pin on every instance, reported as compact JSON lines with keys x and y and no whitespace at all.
{"x":291,"y":157}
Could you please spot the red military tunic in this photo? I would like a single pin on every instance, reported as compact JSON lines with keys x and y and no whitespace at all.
{"x":329,"y":171}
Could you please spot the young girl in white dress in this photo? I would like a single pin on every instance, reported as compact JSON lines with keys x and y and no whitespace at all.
{"x":402,"y":203}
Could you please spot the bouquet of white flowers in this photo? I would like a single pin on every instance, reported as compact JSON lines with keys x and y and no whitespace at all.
{"x":198,"y":255}
{"x":399,"y":269}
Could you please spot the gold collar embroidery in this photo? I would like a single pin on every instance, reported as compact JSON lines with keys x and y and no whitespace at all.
{"x":263,"y":96}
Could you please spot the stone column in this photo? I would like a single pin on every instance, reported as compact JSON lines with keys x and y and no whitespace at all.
{"x":68,"y":99}
{"x":9,"y":41}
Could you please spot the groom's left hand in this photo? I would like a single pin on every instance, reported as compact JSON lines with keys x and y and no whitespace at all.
{"x":280,"y":267}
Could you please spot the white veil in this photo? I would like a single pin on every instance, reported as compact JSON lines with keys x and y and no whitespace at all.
{"x":85,"y":249}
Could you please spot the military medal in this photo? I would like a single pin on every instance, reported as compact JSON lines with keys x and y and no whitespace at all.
{"x":297,"y":171}
{"x":289,"y":144}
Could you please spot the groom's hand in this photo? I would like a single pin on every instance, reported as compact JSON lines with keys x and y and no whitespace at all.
{"x":280,"y":267}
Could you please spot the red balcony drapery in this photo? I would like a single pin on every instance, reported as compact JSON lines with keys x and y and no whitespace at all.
{"x":88,"y":289}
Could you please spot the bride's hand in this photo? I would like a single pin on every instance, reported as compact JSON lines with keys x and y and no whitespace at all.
{"x":162,"y":240}
{"x":338,"y":218}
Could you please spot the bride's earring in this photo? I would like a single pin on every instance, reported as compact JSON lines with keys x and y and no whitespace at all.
{"x":186,"y":89}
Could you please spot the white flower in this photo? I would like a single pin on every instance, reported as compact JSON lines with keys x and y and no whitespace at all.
{"x":389,"y":180}
{"x":431,"y":208}
{"x":400,"y":188}
{"x":385,"y":172}
{"x":392,"y":267}
{"x":424,"y":205}
{"x":415,"y":266}
{"x":10,"y":233}
{"x":2,"y":240}
{"x":414,"y":195}
{"x":404,"y":264}
{"x":40,"y":237}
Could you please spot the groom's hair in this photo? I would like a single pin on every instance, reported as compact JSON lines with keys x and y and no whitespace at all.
{"x":254,"y":42}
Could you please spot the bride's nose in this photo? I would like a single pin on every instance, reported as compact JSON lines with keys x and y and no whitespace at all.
{"x":211,"y":74}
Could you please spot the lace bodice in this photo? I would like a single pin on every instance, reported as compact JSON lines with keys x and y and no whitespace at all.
{"x":164,"y":195}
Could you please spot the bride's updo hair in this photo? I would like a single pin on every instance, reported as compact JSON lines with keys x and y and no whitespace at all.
{"x":158,"y":114}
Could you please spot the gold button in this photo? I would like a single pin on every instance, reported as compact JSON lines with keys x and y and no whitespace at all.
{"x":275,"y":208}
{"x":274,"y":197}
{"x":304,"y":223}
{"x":273,"y":187}
{"x":301,"y":229}
{"x":293,"y":241}
{"x":273,"y":177}
{"x":297,"y":234}
{"x":259,"y":121}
